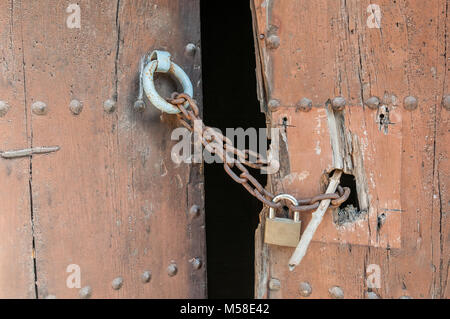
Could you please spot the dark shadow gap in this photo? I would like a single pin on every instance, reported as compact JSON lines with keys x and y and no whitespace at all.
{"x":350,"y":210}
{"x":350,"y":182}
{"x":229,"y":101}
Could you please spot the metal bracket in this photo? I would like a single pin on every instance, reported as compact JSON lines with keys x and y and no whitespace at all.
{"x":29,"y":152}
{"x":159,"y":61}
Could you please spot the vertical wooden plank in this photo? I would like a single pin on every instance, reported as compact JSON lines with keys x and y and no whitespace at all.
{"x":162,"y":189}
{"x":111,"y":201}
{"x":327,"y":49}
{"x":71,"y":189}
{"x":16,"y":241}
{"x":441,"y":197}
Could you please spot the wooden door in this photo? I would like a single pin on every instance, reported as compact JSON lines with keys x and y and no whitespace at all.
{"x":389,"y":60}
{"x":105,"y":201}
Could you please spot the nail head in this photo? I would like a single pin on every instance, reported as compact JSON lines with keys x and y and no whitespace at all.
{"x":194,"y":211}
{"x":146,"y":276}
{"x":336,"y":292}
{"x":76,"y":107}
{"x":373,"y":103}
{"x":196,"y":263}
{"x":273,"y":41}
{"x":85,"y":292}
{"x":109,"y":106}
{"x":410,"y":103}
{"x":446,"y":102}
{"x":39,"y":108}
{"x":139,"y":105}
{"x":338,"y":103}
{"x":305,"y":289}
{"x":4,"y":108}
{"x":274,"y":284}
{"x":172,"y":270}
{"x":117,"y":283}
{"x":274,"y":104}
{"x":190,"y":49}
{"x":305,"y":105}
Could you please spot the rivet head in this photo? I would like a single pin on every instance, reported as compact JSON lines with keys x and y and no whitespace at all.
{"x":273,"y":41}
{"x":194,"y":211}
{"x":336,"y":292}
{"x":196,"y":263}
{"x":109,"y":106}
{"x":190,"y":49}
{"x":373,"y":103}
{"x":172,"y":270}
{"x":39,"y":108}
{"x":305,"y":289}
{"x":146,"y":276}
{"x":410,"y":103}
{"x":85,"y":292}
{"x":4,"y":108}
{"x":304,"y":105}
{"x":274,"y":284}
{"x":261,"y":36}
{"x":139,"y":105}
{"x":338,"y":103}
{"x":117,"y":283}
{"x":446,"y":102}
{"x":372,"y":295}
{"x":273,"y":104}
{"x":75,"y":107}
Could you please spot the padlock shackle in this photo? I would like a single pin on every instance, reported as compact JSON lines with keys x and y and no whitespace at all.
{"x":288,"y":197}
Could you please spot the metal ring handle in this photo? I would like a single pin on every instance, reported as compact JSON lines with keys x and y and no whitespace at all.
{"x":159,"y":61}
{"x":290,"y":198}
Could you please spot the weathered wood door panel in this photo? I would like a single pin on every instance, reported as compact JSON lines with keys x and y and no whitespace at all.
{"x":110,"y":201}
{"x":319,"y":50}
{"x":16,"y":244}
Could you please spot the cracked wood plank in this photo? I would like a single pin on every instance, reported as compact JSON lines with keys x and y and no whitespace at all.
{"x":16,"y":241}
{"x":326,"y":50}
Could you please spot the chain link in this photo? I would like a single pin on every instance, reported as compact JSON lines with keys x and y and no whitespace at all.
{"x":234,"y":158}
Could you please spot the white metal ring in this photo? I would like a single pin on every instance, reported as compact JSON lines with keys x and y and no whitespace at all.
{"x":288,"y":197}
{"x":160,"y":62}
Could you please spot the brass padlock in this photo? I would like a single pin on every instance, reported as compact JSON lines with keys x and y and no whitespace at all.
{"x":283,"y":231}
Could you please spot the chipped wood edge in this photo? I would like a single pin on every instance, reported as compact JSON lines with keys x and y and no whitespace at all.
{"x":317,"y":218}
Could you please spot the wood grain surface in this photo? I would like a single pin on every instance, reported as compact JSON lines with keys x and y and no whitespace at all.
{"x":16,"y":240}
{"x":111,"y":200}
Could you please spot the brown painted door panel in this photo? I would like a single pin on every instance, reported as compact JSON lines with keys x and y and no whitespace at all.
{"x":391,"y":50}
{"x":111,"y":200}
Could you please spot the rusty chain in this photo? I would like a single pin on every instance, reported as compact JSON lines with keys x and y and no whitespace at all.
{"x":227,"y":153}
